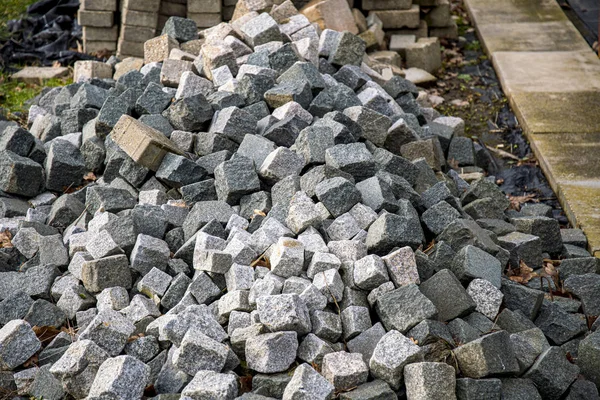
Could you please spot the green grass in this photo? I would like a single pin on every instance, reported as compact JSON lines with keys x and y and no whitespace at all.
{"x":14,"y":95}
{"x":12,"y":9}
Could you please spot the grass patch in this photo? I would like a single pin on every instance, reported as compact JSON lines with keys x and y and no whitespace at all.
{"x":14,"y":95}
{"x":473,"y":46}
{"x":11,"y":9}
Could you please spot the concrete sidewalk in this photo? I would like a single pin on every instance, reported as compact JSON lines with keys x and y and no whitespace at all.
{"x":552,"y":80}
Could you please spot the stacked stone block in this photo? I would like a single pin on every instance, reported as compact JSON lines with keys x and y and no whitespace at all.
{"x":168,"y":9}
{"x":139,"y":20}
{"x":100,"y":30}
{"x":207,"y":13}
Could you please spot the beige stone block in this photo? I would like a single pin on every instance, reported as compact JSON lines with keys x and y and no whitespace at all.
{"x":205,"y":20}
{"x":128,"y":64}
{"x":130,"y":49}
{"x":192,"y":46}
{"x":145,"y":145}
{"x":171,"y":71}
{"x":86,"y":70}
{"x":386,"y":4}
{"x":39,"y":74}
{"x":136,"y":33}
{"x":331,"y":14}
{"x":439,"y":16}
{"x":425,"y":54}
{"x":399,"y":43}
{"x":100,"y":19}
{"x":98,"y":5}
{"x":159,"y":48}
{"x":360,"y":20}
{"x":397,"y":19}
{"x":447,"y":32}
{"x":139,"y":18}
{"x":96,"y":46}
{"x":420,"y":32}
{"x":387,"y":57}
{"x":141,"y":5}
{"x":244,"y":7}
{"x":100,"y":34}
{"x":282,"y":12}
{"x":204,"y":6}
{"x":173,"y":9}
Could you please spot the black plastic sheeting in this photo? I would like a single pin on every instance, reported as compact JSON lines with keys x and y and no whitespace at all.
{"x":48,"y":34}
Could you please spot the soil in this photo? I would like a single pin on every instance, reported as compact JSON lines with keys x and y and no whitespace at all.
{"x":471,"y":90}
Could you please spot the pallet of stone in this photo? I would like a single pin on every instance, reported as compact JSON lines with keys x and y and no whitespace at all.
{"x":97,"y":19}
{"x":139,"y":19}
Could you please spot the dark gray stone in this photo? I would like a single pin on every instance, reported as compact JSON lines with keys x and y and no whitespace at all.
{"x":20,"y":175}
{"x":403,"y":308}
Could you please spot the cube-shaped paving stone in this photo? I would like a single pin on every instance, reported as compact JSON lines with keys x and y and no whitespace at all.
{"x":393,"y":352}
{"x":109,"y":330}
{"x":149,"y":252}
{"x":143,"y":144}
{"x":352,"y":158}
{"x":260,"y":30}
{"x":472,"y":262}
{"x":490,"y":355}
{"x":405,"y":307}
{"x":285,"y":312}
{"x":271,"y":352}
{"x":120,"y":377}
{"x":199,"y":352}
{"x":18,"y":343}
{"x":430,"y":380}
{"x":20,"y":175}
{"x":107,"y":272}
{"x":344,"y":370}
{"x":308,"y":383}
{"x":448,"y":295}
{"x":210,"y":384}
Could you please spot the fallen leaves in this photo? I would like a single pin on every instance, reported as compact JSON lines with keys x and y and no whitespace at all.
{"x":90,"y":176}
{"x":5,"y":239}
{"x":523,"y":274}
{"x":517,"y":201}
{"x":459,"y":103}
{"x":45,"y":333}
{"x":262,"y":261}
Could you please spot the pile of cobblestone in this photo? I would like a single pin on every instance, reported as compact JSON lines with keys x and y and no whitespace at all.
{"x":273,"y":218}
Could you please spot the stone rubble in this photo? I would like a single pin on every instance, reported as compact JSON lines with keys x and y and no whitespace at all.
{"x":274,"y":228}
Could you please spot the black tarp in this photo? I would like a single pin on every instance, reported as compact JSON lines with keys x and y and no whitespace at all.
{"x":48,"y":34}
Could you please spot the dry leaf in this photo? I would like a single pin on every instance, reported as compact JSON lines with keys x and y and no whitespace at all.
{"x":517,"y":201}
{"x":45,"y":333}
{"x":90,"y":176}
{"x":246,"y":384}
{"x":523,"y":274}
{"x":5,"y":239}
{"x":32,"y":361}
{"x":261,"y":261}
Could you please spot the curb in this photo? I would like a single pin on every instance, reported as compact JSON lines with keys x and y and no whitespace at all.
{"x":551,"y":78}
